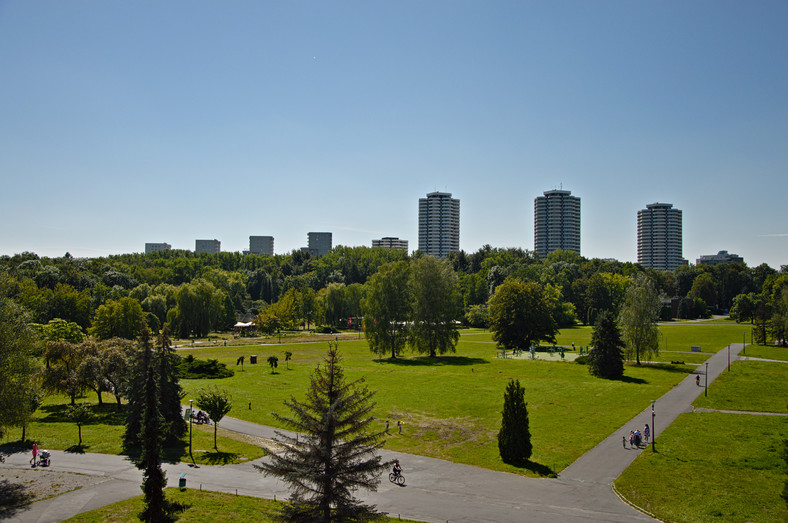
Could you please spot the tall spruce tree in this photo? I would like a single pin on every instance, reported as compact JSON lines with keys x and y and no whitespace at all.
{"x":606,"y":360}
{"x":514,"y":438}
{"x":157,"y":508}
{"x":170,"y":392}
{"x":335,"y":452}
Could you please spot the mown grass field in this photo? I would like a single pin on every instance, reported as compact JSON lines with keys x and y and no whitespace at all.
{"x":53,"y":431}
{"x":719,"y":466}
{"x":450,"y":406}
{"x":201,"y":506}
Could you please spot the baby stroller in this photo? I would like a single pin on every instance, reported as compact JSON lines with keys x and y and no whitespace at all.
{"x":44,"y":458}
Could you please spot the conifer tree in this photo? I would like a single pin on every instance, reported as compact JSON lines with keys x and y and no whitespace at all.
{"x":334,"y":454}
{"x":514,"y":438}
{"x":151,"y":435}
{"x":606,"y":360}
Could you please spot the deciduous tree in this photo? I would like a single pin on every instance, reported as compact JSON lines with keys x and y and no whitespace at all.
{"x":18,"y":368}
{"x":387,"y":307}
{"x":520,"y":315}
{"x":638,"y":318}
{"x":217,"y":403}
{"x":437,"y":306}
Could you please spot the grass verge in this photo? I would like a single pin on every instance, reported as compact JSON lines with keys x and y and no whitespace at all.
{"x":750,"y":386}
{"x":712,"y":467}
{"x":201,"y":506}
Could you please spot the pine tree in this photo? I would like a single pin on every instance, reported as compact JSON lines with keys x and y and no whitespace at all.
{"x":514,"y":438}
{"x":157,"y":509}
{"x":335,"y":452}
{"x":606,"y":360}
{"x":164,"y":360}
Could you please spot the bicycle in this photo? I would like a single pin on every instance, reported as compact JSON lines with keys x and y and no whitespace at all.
{"x":399,"y":479}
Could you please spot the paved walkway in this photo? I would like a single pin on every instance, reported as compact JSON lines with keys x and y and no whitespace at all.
{"x":436,"y":490}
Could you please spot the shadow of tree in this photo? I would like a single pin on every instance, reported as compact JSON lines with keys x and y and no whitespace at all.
{"x":218,"y":457}
{"x":12,"y":495}
{"x":77,"y":449}
{"x":543,"y":470}
{"x":628,"y":379}
{"x":670,"y":367}
{"x":104,"y":414}
{"x":16,"y":447}
{"x":427,"y":361}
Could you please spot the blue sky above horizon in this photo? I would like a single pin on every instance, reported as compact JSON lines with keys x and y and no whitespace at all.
{"x":123,"y":123}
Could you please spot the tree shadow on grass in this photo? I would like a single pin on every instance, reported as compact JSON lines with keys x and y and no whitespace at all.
{"x":428,"y":361}
{"x":104,"y":414}
{"x":218,"y":458}
{"x":627,"y":379}
{"x":16,"y":447}
{"x":12,"y":495}
{"x":77,"y":449}
{"x":543,"y":470}
{"x":670,"y":367}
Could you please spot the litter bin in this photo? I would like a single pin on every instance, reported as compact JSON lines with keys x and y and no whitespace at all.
{"x":182,"y":481}
{"x":253,"y":358}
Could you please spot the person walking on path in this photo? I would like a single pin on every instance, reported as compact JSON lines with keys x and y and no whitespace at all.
{"x":35,"y":453}
{"x":697,"y":380}
{"x":646,"y":432}
{"x":624,"y":441}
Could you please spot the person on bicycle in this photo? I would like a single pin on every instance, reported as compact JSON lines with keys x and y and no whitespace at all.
{"x":397,"y":470}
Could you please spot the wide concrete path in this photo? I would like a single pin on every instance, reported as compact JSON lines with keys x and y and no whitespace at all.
{"x":436,"y":490}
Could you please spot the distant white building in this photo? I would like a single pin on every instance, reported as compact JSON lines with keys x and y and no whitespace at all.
{"x":319,"y":243}
{"x":659,"y":237}
{"x":156,"y":247}
{"x":209,"y":246}
{"x":391,"y":243}
{"x":556,"y":222}
{"x":439,"y":224}
{"x":720,"y":257}
{"x":261,"y":245}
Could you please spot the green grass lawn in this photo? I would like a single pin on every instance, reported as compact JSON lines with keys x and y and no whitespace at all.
{"x":712,"y":467}
{"x":750,"y":386}
{"x":201,"y":506}
{"x":767,"y":352}
{"x":104,"y":435}
{"x":450,"y":406}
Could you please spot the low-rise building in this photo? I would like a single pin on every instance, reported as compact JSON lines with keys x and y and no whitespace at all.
{"x":720,"y":257}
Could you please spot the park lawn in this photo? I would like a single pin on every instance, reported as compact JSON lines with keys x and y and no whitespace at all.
{"x":689,"y":358}
{"x":712,"y":467}
{"x":768,"y":352}
{"x":450,"y":406}
{"x":52,"y":430}
{"x":750,"y":386}
{"x":202,"y":505}
{"x":709,"y":335}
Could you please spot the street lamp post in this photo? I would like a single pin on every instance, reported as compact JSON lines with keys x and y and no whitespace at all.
{"x":653,"y":428}
{"x":744,"y":342}
{"x":706,"y":388}
{"x":729,"y":357}
{"x":191,"y":403}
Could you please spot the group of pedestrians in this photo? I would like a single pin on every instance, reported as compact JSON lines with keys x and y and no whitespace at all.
{"x":637,"y":438}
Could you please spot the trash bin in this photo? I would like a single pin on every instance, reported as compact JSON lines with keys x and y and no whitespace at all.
{"x":253,"y":358}
{"x":182,"y":481}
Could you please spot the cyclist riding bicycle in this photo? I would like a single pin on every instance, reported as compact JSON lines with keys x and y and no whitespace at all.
{"x":397,"y":470}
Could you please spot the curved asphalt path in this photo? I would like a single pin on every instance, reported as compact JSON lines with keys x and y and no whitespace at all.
{"x":436,"y":490}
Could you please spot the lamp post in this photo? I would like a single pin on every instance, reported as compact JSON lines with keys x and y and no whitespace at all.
{"x":729,"y":357}
{"x":191,"y":411}
{"x":653,"y":429}
{"x":706,"y":388}
{"x":744,"y":342}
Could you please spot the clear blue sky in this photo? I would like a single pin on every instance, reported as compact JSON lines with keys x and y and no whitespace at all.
{"x":130,"y":122}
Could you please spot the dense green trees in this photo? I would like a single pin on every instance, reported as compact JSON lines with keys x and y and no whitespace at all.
{"x":514,"y":437}
{"x":18,"y":367}
{"x":121,"y":318}
{"x":606,"y":359}
{"x":638,"y":319}
{"x":520,"y":315}
{"x":335,"y":452}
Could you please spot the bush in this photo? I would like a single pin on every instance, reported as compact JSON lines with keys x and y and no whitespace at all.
{"x":327,"y":330}
{"x":582,"y":360}
{"x":192,"y":368}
